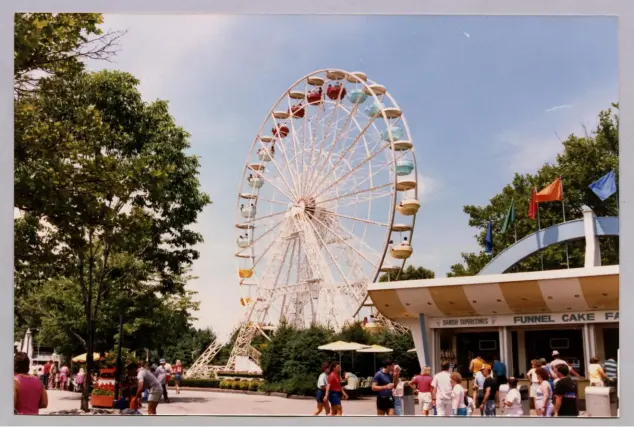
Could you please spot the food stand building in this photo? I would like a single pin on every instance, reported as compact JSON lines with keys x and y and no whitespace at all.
{"x":514,"y":317}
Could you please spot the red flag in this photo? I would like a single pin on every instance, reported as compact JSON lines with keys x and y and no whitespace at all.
{"x":551,"y":193}
{"x":532,"y":207}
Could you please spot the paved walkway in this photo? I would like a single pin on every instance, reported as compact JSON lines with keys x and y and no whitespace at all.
{"x":191,"y":402}
{"x":198,"y":402}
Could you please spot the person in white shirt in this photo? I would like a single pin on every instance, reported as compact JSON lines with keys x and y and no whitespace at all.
{"x":557,"y":360}
{"x":532,"y":376}
{"x":146,"y":380}
{"x":458,"y":396}
{"x":513,"y":400}
{"x":441,"y":389}
{"x":322,"y":383}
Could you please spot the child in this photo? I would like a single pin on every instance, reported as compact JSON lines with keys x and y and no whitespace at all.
{"x":470,"y":406}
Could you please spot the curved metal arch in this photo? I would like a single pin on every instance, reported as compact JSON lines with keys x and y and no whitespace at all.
{"x":559,"y":233}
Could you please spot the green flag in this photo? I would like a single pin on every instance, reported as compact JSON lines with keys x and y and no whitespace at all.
{"x":510,"y":217}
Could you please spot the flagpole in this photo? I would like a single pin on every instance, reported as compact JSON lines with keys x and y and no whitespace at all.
{"x":539,"y":228}
{"x":563,"y":211}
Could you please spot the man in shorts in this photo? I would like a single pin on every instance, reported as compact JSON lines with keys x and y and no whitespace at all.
{"x":383,"y":383}
{"x":146,"y":380}
{"x":334,"y":391}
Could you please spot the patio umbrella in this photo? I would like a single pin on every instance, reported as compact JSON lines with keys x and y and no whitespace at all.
{"x":375,"y":349}
{"x":339,"y":346}
{"x":82,"y":357}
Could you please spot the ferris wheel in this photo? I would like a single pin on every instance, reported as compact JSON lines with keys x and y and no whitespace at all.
{"x":327,"y":202}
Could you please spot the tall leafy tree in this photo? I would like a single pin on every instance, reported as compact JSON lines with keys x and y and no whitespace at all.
{"x":56,"y":43}
{"x":583,"y":160}
{"x":109,"y":176}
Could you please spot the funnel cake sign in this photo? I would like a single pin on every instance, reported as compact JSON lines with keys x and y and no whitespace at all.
{"x":526,"y":319}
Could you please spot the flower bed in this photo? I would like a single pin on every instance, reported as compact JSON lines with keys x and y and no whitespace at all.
{"x":224,"y":374}
{"x":227,"y":384}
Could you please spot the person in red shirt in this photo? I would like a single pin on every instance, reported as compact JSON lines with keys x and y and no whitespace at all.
{"x":47,"y":372}
{"x":422,"y":384}
{"x":334,"y":391}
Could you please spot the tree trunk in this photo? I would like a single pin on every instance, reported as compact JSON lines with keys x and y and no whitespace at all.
{"x":85,"y":398}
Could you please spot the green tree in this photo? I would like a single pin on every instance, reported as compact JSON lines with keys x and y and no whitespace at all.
{"x":584,"y":159}
{"x":109,"y":176}
{"x":57,"y":43}
{"x":409,"y":273}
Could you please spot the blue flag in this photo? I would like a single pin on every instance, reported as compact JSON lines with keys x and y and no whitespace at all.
{"x":488,"y":240}
{"x":605,"y":186}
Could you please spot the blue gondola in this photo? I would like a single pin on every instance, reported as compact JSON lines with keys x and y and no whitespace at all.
{"x":404,"y":167}
{"x":357,"y":96}
{"x":397,"y":133}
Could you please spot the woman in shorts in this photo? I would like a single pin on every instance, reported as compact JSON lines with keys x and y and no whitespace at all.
{"x":322,"y":384}
{"x":178,"y":375}
{"x":422,"y":384}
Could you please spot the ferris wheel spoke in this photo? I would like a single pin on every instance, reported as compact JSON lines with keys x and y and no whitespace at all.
{"x":367,"y":221}
{"x":277,"y":202}
{"x":311,"y":130}
{"x":345,"y":242}
{"x":251,"y":221}
{"x":277,"y":127}
{"x":265,"y":233}
{"x":369,"y":178}
{"x":261,"y":256}
{"x":357,"y":240}
{"x":366,"y":200}
{"x":345,"y":129}
{"x":368,"y":159}
{"x":350,"y":147}
{"x":326,"y":133}
{"x":345,"y":279}
{"x":358,"y":192}
{"x":296,"y":142}
{"x":263,"y":177}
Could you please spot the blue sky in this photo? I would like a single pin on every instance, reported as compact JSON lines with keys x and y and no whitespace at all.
{"x":475,"y":91}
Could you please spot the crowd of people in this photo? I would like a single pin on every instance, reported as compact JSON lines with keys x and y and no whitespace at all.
{"x":553,"y":390}
{"x":147,"y":383}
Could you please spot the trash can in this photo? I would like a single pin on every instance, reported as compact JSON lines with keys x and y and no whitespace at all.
{"x":409,"y":407}
{"x":503,"y":391}
{"x":526,"y":400}
{"x":598,"y":402}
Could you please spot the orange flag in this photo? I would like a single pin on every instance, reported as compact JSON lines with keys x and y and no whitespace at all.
{"x":551,"y":193}
{"x":532,"y":207}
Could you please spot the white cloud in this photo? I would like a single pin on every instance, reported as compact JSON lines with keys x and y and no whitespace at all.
{"x":427,"y":186}
{"x":558,"y":107}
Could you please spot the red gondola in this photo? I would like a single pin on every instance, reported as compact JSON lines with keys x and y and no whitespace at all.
{"x":297,"y":111}
{"x":282,"y":132}
{"x":315,"y":96}
{"x":336,"y":92}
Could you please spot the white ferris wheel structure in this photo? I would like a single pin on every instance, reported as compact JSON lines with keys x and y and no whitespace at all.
{"x":327,"y":202}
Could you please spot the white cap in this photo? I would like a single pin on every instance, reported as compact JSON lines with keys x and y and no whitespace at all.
{"x":555,"y":353}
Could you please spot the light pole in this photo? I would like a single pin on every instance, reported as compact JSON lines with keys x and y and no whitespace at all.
{"x":119,"y":372}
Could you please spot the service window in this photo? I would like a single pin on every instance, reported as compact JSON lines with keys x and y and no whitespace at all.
{"x":559,"y":343}
{"x":487,"y":345}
